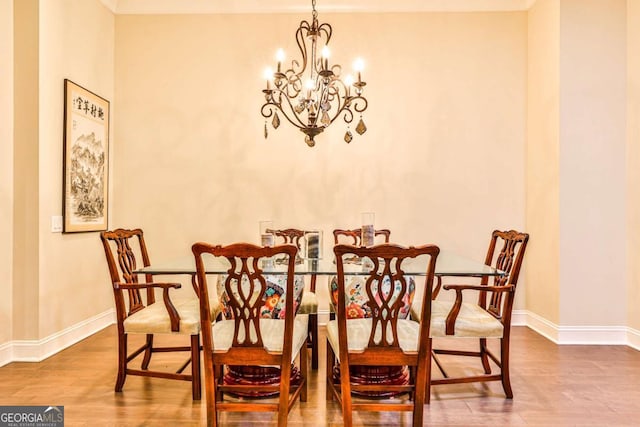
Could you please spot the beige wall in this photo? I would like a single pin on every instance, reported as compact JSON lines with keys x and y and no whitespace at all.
{"x":73,"y":276}
{"x":59,"y":281}
{"x":542,"y":161}
{"x":633,"y":164}
{"x":25,"y":182}
{"x":6,"y":169}
{"x":442,"y":160}
{"x":576,"y":162}
{"x":592,"y":161}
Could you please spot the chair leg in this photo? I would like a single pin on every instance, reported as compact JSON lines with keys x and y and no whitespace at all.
{"x":313,"y":335}
{"x":219,"y":377}
{"x":304,"y":367}
{"x":427,"y":387}
{"x":345,"y":394}
{"x":196,"y":387}
{"x":504,"y":368}
{"x":211,"y":388}
{"x":122,"y":361}
{"x":147,"y":352}
{"x":484,"y":357}
{"x":283,"y":399}
{"x":329,"y":373}
{"x":419,"y":391}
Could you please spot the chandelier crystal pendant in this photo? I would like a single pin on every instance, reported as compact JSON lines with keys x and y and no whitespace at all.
{"x":311,"y":94}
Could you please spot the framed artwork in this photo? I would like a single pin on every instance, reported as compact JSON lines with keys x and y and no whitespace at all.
{"x":86,"y":160}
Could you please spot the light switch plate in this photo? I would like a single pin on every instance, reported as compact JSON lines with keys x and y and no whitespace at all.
{"x":56,"y":224}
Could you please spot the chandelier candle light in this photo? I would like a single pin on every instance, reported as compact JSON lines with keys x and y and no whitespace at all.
{"x":310,"y":94}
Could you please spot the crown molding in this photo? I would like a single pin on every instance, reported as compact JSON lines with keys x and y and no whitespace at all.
{"x":146,"y":7}
{"x":110,"y":4}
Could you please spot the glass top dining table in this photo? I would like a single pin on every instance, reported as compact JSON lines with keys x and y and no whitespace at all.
{"x":448,"y":264}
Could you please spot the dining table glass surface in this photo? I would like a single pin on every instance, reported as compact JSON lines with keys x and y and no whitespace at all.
{"x":448,"y":264}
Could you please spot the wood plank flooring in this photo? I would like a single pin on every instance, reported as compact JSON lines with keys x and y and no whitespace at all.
{"x":553,"y":386}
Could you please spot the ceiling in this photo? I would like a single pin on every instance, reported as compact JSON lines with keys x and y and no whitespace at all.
{"x":300,"y":6}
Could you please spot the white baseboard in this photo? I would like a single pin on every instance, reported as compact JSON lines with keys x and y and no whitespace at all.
{"x":547,"y":329}
{"x":6,"y":353}
{"x":519,"y":318}
{"x":38,"y":350}
{"x":593,"y":335}
{"x":633,"y":338}
{"x":582,"y":335}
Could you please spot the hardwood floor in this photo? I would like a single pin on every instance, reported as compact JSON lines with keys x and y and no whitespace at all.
{"x":553,"y":386}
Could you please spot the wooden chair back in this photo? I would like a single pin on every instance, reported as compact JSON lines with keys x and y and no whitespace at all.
{"x":122,"y":249}
{"x":289,"y":235}
{"x":505,"y":253}
{"x":245,"y":285}
{"x":309,"y":304}
{"x":354,"y":236}
{"x":386,"y":286}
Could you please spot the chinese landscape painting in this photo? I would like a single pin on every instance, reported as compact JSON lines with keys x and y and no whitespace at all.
{"x":86,"y":150}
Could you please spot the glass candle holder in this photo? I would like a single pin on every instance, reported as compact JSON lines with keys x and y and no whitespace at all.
{"x":267,"y":237}
{"x":313,"y":244}
{"x":368,"y":230}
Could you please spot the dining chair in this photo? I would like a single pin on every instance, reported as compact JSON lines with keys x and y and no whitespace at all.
{"x":245,"y":338}
{"x":309,"y":302}
{"x":138,"y":315}
{"x":385,"y":337}
{"x":487,"y":318}
{"x":353,"y":237}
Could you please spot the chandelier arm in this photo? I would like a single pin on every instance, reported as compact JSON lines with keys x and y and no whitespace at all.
{"x":269,"y":107}
{"x":346,"y":113}
{"x":302,"y":46}
{"x":359,"y":104}
{"x":358,"y":101}
{"x":293,"y":85}
{"x":300,"y":123}
{"x":327,"y":30}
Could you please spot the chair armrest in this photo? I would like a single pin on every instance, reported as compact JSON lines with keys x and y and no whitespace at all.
{"x":174,"y":317}
{"x":459,"y":288}
{"x":455,"y":310}
{"x":122,"y":285}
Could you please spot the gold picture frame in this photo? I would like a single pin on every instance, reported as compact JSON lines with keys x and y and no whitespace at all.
{"x":86,"y":160}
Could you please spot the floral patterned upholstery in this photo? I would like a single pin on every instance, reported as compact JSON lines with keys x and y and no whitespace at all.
{"x":273,"y":301}
{"x":357,"y":307}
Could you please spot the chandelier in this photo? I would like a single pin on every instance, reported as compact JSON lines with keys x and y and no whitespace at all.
{"x":310,"y":94}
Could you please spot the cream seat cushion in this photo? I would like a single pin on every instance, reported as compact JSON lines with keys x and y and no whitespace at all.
{"x":154,"y":318}
{"x":359,"y":329}
{"x":472,"y":321}
{"x":272,"y":334}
